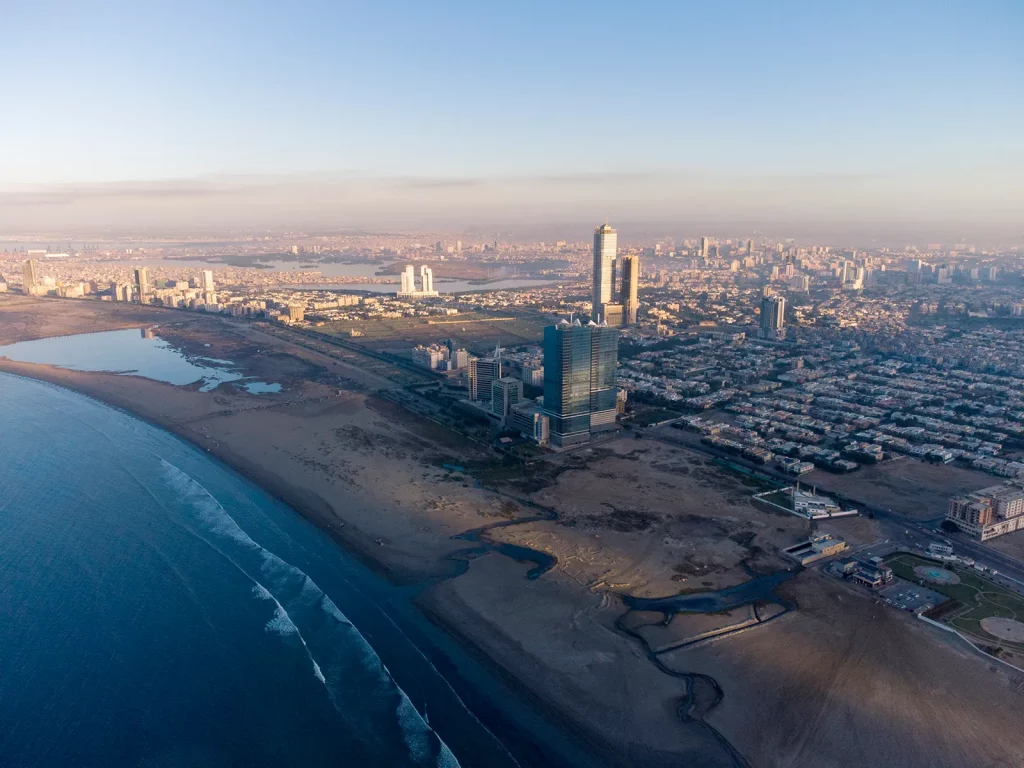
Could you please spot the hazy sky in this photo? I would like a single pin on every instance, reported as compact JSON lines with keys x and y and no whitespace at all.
{"x":346,"y":113}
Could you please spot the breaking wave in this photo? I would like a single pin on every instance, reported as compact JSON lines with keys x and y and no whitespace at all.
{"x":357,"y":682}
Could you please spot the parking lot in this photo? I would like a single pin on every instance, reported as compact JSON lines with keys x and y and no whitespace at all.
{"x":910,"y":597}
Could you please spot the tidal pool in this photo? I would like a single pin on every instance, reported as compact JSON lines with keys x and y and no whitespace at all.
{"x":136,"y":352}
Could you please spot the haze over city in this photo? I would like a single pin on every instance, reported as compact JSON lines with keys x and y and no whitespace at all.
{"x":825,"y":119}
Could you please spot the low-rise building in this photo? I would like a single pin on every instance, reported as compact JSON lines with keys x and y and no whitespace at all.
{"x":873,"y":575}
{"x":506,"y":393}
{"x":531,"y":421}
{"x":816,"y":548}
{"x":990,"y":512}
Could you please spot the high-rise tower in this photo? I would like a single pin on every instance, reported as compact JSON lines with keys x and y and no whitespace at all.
{"x":142,"y":283}
{"x":628,"y":294}
{"x":579,"y":380}
{"x":773,"y":317}
{"x":605,"y":246}
{"x":29,"y":276}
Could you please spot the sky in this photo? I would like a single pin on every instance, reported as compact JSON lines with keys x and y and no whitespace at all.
{"x":418,"y":114}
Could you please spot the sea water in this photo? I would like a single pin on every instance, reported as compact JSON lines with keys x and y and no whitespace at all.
{"x":137,"y":351}
{"x":158,"y":610}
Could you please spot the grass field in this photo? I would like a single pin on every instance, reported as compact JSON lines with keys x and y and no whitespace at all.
{"x":653,"y":415}
{"x":477,"y":331}
{"x":979,"y":598}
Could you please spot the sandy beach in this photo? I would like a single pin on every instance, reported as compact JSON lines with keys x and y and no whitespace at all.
{"x":835,"y":682}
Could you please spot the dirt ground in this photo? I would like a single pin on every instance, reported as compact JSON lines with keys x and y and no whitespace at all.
{"x":1011,"y":544}
{"x":844,"y":681}
{"x":562,"y":641}
{"x":906,"y":486}
{"x":23,"y":318}
{"x":649,"y":519}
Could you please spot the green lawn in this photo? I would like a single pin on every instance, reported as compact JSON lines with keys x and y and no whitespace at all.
{"x":979,"y":597}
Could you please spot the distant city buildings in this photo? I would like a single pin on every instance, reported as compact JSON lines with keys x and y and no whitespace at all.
{"x":408,"y":287}
{"x":430,"y":357}
{"x":121,"y":291}
{"x":579,"y":380}
{"x":440,"y":357}
{"x":989,"y":512}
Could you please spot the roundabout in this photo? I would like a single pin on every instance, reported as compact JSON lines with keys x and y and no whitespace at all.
{"x":936,"y":575}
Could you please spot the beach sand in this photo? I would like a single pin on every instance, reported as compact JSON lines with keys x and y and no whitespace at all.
{"x":634,"y":517}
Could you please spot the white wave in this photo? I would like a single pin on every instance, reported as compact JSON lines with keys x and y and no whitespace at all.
{"x":282,"y":624}
{"x":283,"y":576}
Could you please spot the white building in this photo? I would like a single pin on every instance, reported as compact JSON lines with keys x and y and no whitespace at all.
{"x":533,"y":375}
{"x":408,"y":288}
{"x":483,"y":372}
{"x":605,"y":248}
{"x":989,"y":512}
{"x":430,"y":357}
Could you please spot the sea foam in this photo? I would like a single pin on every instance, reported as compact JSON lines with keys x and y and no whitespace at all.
{"x":285,"y":585}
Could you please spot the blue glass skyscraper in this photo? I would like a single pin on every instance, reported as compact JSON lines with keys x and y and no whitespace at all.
{"x":579,"y":380}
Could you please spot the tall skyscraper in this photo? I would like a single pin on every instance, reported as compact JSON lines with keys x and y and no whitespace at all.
{"x":579,"y":380}
{"x":773,"y":317}
{"x":141,"y":283}
{"x":29,"y":277}
{"x":605,"y":246}
{"x":207,"y":281}
{"x":483,"y":372}
{"x":705,"y":246}
{"x":427,"y":279}
{"x":630,"y":284}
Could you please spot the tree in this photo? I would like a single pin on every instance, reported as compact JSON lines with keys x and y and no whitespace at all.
{"x":949,"y":526}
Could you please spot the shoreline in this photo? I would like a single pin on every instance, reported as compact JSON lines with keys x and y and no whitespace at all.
{"x":509,"y":722}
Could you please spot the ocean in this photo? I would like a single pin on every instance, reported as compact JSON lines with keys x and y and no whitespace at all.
{"x":159,"y":610}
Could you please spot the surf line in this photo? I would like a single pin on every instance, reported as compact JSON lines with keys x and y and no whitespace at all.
{"x":218,"y":521}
